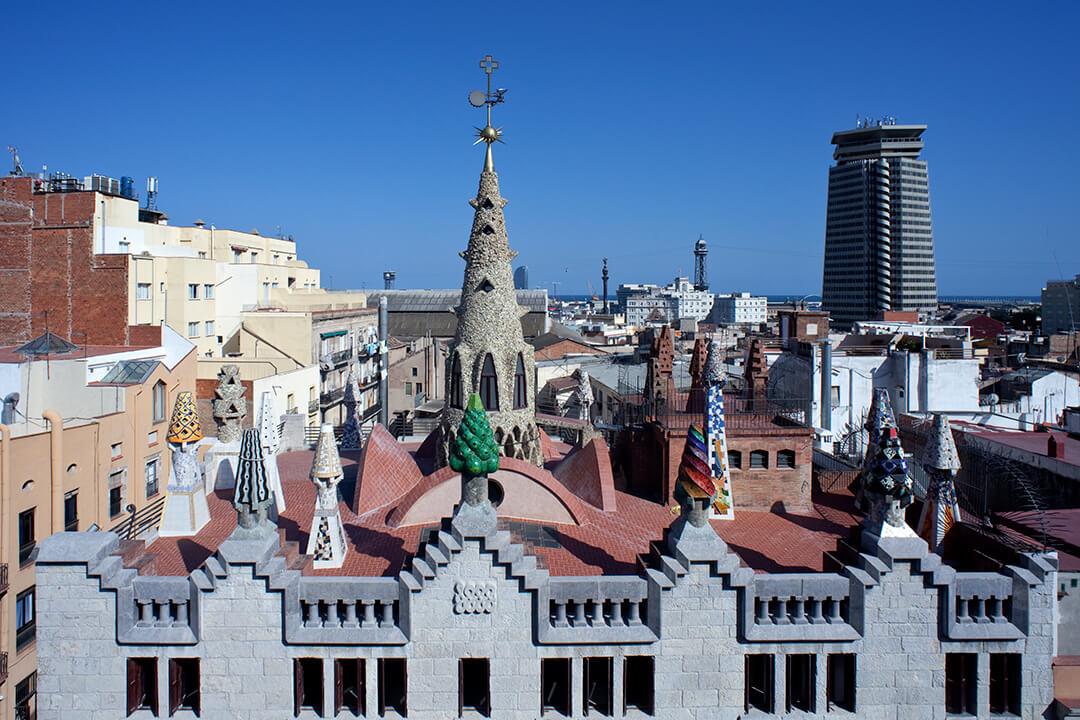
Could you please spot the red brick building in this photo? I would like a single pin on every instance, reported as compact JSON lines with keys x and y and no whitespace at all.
{"x":51,"y":276}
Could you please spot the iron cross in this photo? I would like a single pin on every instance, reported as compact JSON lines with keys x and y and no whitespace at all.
{"x":489,"y":65}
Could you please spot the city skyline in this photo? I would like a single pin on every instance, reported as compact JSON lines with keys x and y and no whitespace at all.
{"x":358,"y":144}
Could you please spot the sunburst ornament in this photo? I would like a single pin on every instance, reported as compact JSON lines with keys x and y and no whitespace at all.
{"x":488,"y":134}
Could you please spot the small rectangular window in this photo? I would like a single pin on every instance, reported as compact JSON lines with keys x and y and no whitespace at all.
{"x":208,"y":291}
{"x":474,"y":686}
{"x":349,"y":686}
{"x":840,"y":683}
{"x":597,"y":685}
{"x":408,"y":388}
{"x":115,"y":501}
{"x":961,"y":683}
{"x":193,"y":329}
{"x":759,"y":682}
{"x":193,"y":291}
{"x":414,"y":371}
{"x":734,"y":459}
{"x":638,"y":683}
{"x":209,"y":328}
{"x":142,"y":291}
{"x":153,"y":468}
{"x":26,"y":535}
{"x":419,"y":388}
{"x":26,"y":697}
{"x":555,"y":686}
{"x":785,"y":459}
{"x":202,"y":253}
{"x":71,"y":511}
{"x":1005,"y":683}
{"x":759,"y":459}
{"x":307,"y":685}
{"x":142,"y":685}
{"x":25,"y":618}
{"x":184,"y":685}
{"x":117,"y":450}
{"x":801,"y":682}
{"x":393,"y":686}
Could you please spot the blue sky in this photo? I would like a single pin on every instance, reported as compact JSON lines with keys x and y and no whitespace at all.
{"x":630,"y":128}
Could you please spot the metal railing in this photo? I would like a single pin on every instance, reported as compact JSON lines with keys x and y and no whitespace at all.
{"x":332,"y":396}
{"x":4,"y":578}
{"x":340,"y":357}
{"x":141,"y":520}
{"x":683,"y":408}
{"x":3,"y":667}
{"x":313,"y":407}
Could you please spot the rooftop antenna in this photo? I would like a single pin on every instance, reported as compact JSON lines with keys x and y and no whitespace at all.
{"x":16,"y":164}
{"x":151,"y":193}
{"x":479,"y":98}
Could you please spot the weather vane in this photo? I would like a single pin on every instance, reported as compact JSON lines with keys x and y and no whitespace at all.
{"x":478,"y":98}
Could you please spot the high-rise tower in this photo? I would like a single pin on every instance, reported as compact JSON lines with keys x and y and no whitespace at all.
{"x":701,"y":276}
{"x":879,"y":249}
{"x":489,"y":355}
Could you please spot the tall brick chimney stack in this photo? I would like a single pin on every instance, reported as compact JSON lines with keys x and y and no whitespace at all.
{"x":1054,"y":448}
{"x":757,"y":370}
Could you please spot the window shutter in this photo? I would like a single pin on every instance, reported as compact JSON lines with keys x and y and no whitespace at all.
{"x":196,"y":699}
{"x":811,"y":688}
{"x":770,"y":682}
{"x":382,"y":686}
{"x":404,"y":687}
{"x":625,"y":663}
{"x":569,"y":705}
{"x":339,"y":686}
{"x":460,"y":687}
{"x":361,"y":686}
{"x":746,"y":683}
{"x":585,"y":685}
{"x":134,"y":684}
{"x":174,"y":686}
{"x":298,"y":685}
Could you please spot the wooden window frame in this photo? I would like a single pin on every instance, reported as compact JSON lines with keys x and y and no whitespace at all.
{"x":768,"y":682}
{"x":141,"y":691}
{"x":962,"y":683}
{"x":300,"y":676}
{"x":642,"y":683}
{"x":606,"y":705}
{"x":763,"y":456}
{"x":353,"y":668}
{"x":801,"y":682}
{"x":181,"y":673}
{"x":383,"y":665}
{"x":1006,"y":683}
{"x":552,"y":668}
{"x":840,"y":681}
{"x":477,"y":669}
{"x":785,"y":459}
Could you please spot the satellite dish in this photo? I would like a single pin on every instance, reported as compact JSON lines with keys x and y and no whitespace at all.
{"x":477,"y":98}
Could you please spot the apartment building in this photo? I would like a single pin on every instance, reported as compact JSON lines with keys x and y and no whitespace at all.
{"x":82,"y":446}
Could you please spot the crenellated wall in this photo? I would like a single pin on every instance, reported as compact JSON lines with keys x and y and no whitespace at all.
{"x":692,"y":608}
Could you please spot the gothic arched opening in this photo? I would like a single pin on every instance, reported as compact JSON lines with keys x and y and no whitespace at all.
{"x":520,"y":397}
{"x":489,"y":384}
{"x":456,"y":399}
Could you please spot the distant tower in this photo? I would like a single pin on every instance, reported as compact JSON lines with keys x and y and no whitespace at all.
{"x":388,"y":277}
{"x":701,"y":277}
{"x":604,"y":277}
{"x":521,"y":277}
{"x":879,"y":248}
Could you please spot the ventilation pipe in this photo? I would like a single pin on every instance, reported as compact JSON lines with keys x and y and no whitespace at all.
{"x":826,"y":385}
{"x":7,"y":417}
{"x":56,"y":475}
{"x":384,"y":364}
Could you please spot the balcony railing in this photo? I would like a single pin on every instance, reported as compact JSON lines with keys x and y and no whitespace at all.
{"x":3,"y":578}
{"x":332,"y":396}
{"x":760,"y":415}
{"x":3,"y":668}
{"x":25,"y":635}
{"x":313,"y":407}
{"x":340,"y":357}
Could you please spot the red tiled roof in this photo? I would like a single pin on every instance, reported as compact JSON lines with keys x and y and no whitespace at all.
{"x":1033,"y":442}
{"x":386,"y":472}
{"x":601,"y":542}
{"x":587,"y":474}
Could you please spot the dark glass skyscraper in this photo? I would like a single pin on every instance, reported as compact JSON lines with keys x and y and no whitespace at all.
{"x":879,"y":247}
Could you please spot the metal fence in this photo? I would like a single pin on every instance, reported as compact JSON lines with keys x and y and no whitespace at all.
{"x":682,"y":408}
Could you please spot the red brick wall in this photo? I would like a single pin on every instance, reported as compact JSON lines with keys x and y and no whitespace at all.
{"x":55,"y":271}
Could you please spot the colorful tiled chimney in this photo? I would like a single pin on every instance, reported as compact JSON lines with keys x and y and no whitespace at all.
{"x":714,"y":380}
{"x":186,"y":510}
{"x":326,"y":542}
{"x":941,"y":463}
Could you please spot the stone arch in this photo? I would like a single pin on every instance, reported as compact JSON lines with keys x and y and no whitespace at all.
{"x":498,"y":436}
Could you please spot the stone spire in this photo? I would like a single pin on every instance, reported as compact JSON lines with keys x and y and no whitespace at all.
{"x":252,"y":496}
{"x":186,"y":510}
{"x":884,"y":478}
{"x":714,"y":379}
{"x":489,"y":355}
{"x":941,"y":462}
{"x":270,"y":439}
{"x":230,"y":406}
{"x":658,"y":372}
{"x":583,"y":394}
{"x":350,"y":436}
{"x":326,"y":542}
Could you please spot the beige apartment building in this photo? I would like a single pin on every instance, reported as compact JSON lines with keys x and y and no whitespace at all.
{"x":84,"y":442}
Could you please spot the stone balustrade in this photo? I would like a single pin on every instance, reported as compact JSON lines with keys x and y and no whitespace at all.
{"x":980,"y":606}
{"x":158,"y":610}
{"x":583,"y":610}
{"x":339,"y":611}
{"x":810,"y":606}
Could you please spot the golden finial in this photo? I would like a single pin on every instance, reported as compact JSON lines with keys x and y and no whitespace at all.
{"x":477,"y":98}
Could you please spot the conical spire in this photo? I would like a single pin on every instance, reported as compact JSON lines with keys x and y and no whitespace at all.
{"x":695,"y":489}
{"x":326,"y":464}
{"x":184,"y":426}
{"x":269,"y":435}
{"x":712,"y":372}
{"x":252,"y":496}
{"x":940,"y":461}
{"x":940,"y":451}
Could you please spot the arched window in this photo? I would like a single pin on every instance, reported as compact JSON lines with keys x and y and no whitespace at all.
{"x":785,"y":458}
{"x":455,"y":383}
{"x":159,"y":401}
{"x":489,"y":385}
{"x":734,"y":459}
{"x":759,"y":458}
{"x":520,"y":398}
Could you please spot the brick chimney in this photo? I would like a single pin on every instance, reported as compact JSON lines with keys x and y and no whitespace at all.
{"x":1054,"y":448}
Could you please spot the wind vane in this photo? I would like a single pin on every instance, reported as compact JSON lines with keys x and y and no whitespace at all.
{"x":479,"y":98}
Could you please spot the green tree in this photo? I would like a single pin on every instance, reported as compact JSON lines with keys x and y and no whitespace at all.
{"x":474,"y":451}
